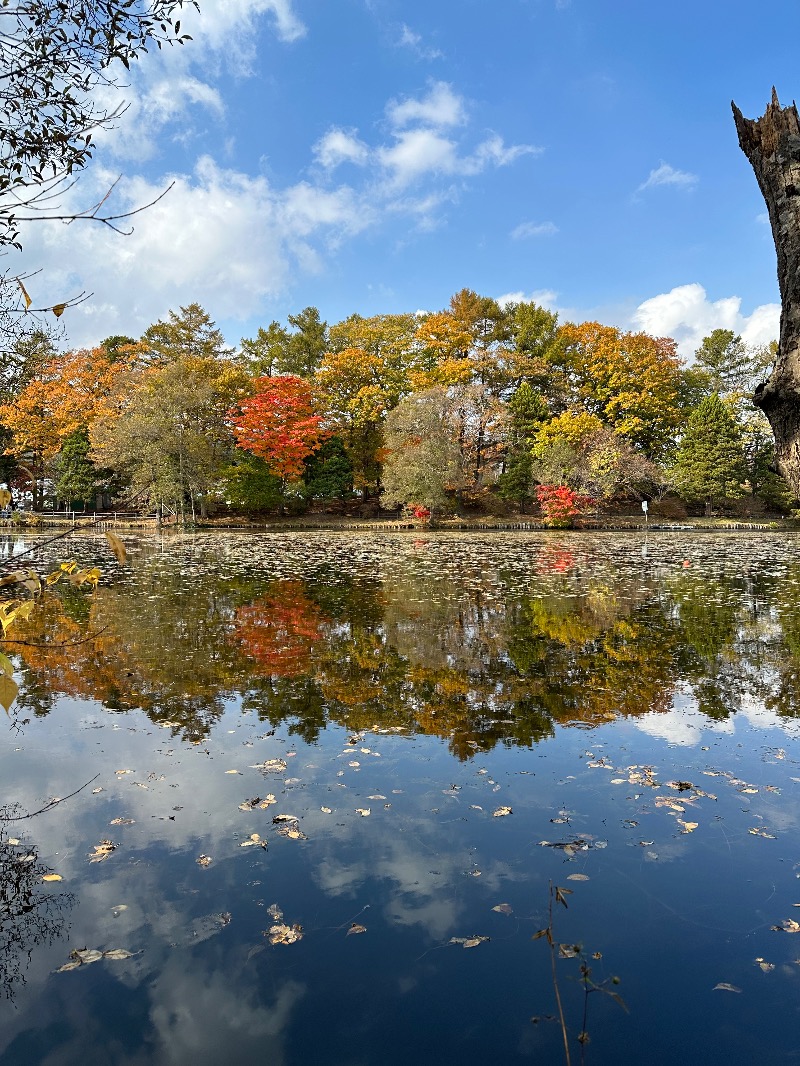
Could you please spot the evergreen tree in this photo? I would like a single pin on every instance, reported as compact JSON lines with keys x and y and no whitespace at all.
{"x":77,"y":479}
{"x":709,"y":464}
{"x":527,"y":411}
{"x":328,"y":472}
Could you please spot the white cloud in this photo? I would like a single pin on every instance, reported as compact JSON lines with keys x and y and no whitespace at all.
{"x":546,"y":298}
{"x":533,"y":229}
{"x":220,"y":237}
{"x":221,"y":20}
{"x":664,"y":174}
{"x":440,"y":108}
{"x":340,"y":146}
{"x":409,"y":39}
{"x":687,"y":314}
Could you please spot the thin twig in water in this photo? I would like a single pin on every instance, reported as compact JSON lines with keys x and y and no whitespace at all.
{"x":50,"y":805}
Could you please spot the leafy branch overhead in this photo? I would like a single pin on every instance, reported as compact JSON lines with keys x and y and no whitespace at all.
{"x":54,"y":55}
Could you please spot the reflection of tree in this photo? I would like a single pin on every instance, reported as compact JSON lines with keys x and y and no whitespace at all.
{"x":477,"y":659}
{"x":30,"y":913}
{"x":280,"y":629}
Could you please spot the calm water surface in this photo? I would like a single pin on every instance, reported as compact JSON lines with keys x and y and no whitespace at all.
{"x":381,"y":752}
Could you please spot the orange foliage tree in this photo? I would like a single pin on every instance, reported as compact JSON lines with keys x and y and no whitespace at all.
{"x":280,"y":424}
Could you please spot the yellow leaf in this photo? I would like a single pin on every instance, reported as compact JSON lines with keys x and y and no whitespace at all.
{"x":8,"y":691}
{"x":52,"y":877}
{"x":117,"y":547}
{"x":24,"y":610}
{"x":25,"y":297}
{"x":6,"y":665}
{"x":59,"y":310}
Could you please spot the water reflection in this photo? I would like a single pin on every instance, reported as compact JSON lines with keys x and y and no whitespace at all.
{"x":436,"y":646}
{"x":31,"y":914}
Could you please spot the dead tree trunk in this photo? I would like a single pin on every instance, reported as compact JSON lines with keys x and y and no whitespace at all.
{"x":772,"y":144}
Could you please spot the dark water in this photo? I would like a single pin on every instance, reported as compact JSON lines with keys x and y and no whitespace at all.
{"x":451,"y":724}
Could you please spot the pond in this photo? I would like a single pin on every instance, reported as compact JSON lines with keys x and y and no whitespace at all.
{"x":380,"y":799}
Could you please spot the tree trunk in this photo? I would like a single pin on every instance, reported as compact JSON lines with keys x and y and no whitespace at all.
{"x":772,"y":144}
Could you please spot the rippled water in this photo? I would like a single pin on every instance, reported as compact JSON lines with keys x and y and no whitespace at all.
{"x":444,"y":726}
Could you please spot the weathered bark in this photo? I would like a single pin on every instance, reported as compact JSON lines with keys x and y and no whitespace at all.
{"x":772,"y":144}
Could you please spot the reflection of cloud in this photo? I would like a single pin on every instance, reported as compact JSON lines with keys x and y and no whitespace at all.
{"x":202,"y":1017}
{"x":682,"y":727}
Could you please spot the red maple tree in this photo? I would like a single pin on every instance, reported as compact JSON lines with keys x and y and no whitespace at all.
{"x":279,"y":424}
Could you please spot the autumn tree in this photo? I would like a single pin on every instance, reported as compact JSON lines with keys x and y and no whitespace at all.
{"x":66,"y":395}
{"x":280,"y":424}
{"x":168,"y":432}
{"x":630,"y":381}
{"x":423,"y":460}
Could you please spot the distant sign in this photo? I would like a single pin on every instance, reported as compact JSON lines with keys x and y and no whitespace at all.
{"x":644,"y":506}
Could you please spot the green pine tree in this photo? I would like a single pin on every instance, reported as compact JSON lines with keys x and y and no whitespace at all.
{"x":709,"y":465}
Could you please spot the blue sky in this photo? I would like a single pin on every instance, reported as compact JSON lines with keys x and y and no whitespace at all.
{"x":376,"y":156}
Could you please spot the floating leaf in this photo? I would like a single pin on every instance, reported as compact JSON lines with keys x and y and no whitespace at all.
{"x":788,"y":925}
{"x":356,"y":928}
{"x":88,"y":955}
{"x":468,"y":941}
{"x":326,"y":810}
{"x":578,"y":877}
{"x":102,"y":850}
{"x":52,"y":877}
{"x":763,"y":965}
{"x":285,"y":934}
{"x":119,"y":773}
{"x":271,"y":766}
{"x":233,"y":771}
{"x":122,"y":821}
{"x":569,"y":951}
{"x":688,"y":827}
{"x":203,"y":860}
{"x":503,"y":908}
{"x":363,"y":811}
{"x":118,"y":953}
{"x":73,"y":964}
{"x":501,"y":812}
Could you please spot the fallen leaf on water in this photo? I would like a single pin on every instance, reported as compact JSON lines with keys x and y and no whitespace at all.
{"x":94,"y":793}
{"x":73,"y":964}
{"x":284,"y":818}
{"x":763,"y":965}
{"x":52,"y":877}
{"x":363,"y":811}
{"x":284,"y":934}
{"x":377,"y":796}
{"x":468,"y":941}
{"x":569,"y":951}
{"x":760,"y":831}
{"x":102,"y":850}
{"x":503,"y":908}
{"x":356,"y":928}
{"x":118,"y":953}
{"x":203,"y":860}
{"x":723,"y":986}
{"x":578,"y":877}
{"x":788,"y":925}
{"x":254,"y":841}
{"x":233,"y":771}
{"x":688,"y":827}
{"x":291,"y":831}
{"x":501,"y":812}
{"x":13,"y":840}
{"x":122,"y":821}
{"x":326,"y":810}
{"x":119,"y":773}
{"x":271,"y":766}
{"x":87,"y":956}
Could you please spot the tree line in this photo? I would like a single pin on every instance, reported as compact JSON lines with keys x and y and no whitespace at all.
{"x":475,"y":406}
